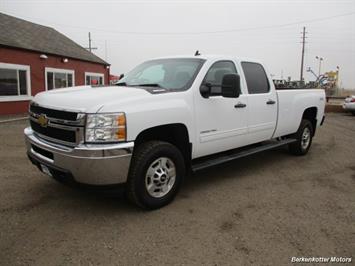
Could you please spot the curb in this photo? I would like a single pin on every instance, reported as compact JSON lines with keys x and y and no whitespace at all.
{"x":13,"y":120}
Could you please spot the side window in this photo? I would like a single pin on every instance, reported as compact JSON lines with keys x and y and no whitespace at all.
{"x":256,"y":78}
{"x":215,"y":75}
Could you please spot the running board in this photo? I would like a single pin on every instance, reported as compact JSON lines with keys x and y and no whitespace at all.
{"x":230,"y":156}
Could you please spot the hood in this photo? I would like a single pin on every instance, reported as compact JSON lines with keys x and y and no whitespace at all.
{"x":88,"y":99}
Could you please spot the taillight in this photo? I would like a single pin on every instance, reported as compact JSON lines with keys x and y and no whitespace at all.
{"x":352,"y":100}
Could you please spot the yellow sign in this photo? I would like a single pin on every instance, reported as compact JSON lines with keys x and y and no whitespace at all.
{"x":331,"y":74}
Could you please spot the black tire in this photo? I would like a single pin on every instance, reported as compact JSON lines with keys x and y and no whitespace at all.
{"x":143,"y":157}
{"x":299,"y":148}
{"x":353,"y":112}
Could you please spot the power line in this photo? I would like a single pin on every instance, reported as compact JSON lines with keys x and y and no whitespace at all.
{"x":210,"y":32}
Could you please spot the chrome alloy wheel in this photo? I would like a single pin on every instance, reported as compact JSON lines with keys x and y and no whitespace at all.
{"x":160,"y":177}
{"x":306,"y":138}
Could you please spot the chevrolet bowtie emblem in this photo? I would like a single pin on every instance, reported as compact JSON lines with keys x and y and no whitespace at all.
{"x":43,"y":120}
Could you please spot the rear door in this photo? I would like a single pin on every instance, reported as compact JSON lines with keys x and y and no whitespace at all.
{"x":262,"y":103}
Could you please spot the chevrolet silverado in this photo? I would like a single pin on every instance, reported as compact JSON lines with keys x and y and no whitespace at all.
{"x":165,"y":118}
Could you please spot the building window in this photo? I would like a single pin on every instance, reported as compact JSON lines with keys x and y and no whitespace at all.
{"x":59,"y":78}
{"x":94,"y":78}
{"x":14,"y":82}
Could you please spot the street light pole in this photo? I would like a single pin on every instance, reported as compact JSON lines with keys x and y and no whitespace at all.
{"x":320,"y":64}
{"x":337,"y":80}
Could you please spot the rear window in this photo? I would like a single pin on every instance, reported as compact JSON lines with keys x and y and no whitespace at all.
{"x":256,"y":78}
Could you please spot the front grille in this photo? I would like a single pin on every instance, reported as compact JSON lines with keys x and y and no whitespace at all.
{"x":57,"y":114}
{"x":54,"y":133}
{"x":63,"y":127}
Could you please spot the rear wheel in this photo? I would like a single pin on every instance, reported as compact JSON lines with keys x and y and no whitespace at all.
{"x":353,"y":112}
{"x":303,"y":138}
{"x":156,"y":174}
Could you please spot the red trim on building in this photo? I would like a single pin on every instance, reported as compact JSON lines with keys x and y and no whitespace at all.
{"x":37,"y":72}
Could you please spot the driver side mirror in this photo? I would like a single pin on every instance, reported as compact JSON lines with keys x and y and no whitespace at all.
{"x":231,"y":86}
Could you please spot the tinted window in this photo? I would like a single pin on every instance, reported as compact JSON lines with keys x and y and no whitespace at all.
{"x":8,"y":82}
{"x":22,"y":82}
{"x":256,"y":78}
{"x":50,"y":80}
{"x":70,"y":80}
{"x":13,"y":82}
{"x":215,"y":75}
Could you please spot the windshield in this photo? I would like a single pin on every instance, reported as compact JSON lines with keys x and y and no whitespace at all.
{"x":170,"y":74}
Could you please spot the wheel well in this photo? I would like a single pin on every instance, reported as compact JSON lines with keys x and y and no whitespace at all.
{"x":311,"y":115}
{"x":175,"y":134}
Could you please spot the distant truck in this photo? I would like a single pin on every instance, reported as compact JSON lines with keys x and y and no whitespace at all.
{"x":165,"y":118}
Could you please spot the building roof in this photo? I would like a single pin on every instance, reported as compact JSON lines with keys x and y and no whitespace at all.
{"x":19,"y":33}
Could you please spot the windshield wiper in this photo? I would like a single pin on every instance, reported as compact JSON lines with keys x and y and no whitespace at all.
{"x":150,"y":85}
{"x":121,"y":84}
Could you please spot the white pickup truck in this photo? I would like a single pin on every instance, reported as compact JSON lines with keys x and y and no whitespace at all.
{"x":165,"y":118}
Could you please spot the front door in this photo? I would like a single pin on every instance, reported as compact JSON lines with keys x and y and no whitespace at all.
{"x":221,"y":122}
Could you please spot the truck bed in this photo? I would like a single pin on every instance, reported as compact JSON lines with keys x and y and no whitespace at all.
{"x":291,"y":105}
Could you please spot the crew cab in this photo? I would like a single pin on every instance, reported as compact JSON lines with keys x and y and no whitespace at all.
{"x":164,"y":119}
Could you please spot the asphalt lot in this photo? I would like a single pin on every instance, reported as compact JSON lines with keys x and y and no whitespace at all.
{"x":258,"y":210}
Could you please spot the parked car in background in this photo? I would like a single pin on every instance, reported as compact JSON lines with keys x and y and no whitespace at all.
{"x":349,"y":104}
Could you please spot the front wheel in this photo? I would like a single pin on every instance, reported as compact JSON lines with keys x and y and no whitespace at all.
{"x":303,"y":138}
{"x":156,"y":173}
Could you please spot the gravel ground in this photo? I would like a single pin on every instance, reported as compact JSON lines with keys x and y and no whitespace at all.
{"x":258,"y":210}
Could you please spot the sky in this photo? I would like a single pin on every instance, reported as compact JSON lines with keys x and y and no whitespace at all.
{"x":127,"y":33}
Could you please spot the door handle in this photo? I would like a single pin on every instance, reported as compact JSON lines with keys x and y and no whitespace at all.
{"x":240,"y":105}
{"x":270,"y":102}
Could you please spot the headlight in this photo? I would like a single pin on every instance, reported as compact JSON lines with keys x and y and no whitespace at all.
{"x":105,"y":127}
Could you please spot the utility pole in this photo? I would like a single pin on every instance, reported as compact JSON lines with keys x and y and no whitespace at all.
{"x":302,"y":58}
{"x":90,"y":48}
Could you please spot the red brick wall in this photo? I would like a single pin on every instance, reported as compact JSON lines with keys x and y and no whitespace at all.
{"x":37,"y":66}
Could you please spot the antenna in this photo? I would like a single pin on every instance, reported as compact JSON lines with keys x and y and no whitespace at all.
{"x":197,"y":53}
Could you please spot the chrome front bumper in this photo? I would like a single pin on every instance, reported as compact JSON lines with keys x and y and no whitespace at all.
{"x":99,"y":164}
